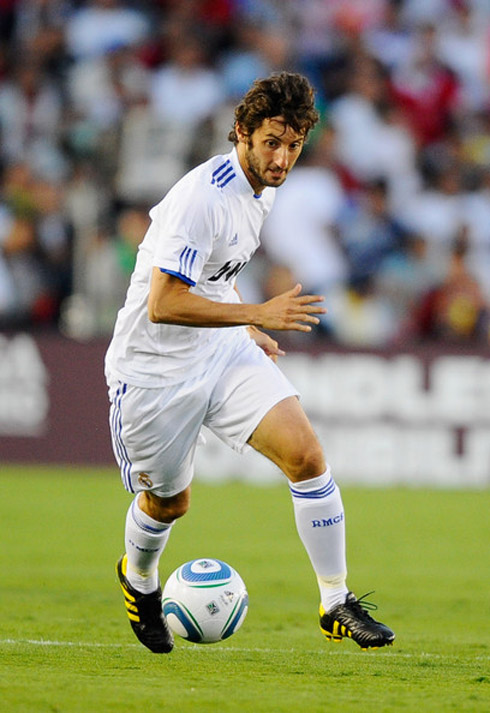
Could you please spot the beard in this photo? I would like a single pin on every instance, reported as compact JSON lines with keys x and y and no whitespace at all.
{"x":260,"y":174}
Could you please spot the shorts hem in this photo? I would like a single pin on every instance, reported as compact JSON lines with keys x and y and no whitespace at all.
{"x":241,"y":445}
{"x":168,"y":493}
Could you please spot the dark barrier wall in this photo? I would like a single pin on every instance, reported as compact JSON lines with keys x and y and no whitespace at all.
{"x":53,"y":401}
{"x":418,"y":416}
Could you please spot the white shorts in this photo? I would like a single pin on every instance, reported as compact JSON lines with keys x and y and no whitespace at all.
{"x":155,"y":431}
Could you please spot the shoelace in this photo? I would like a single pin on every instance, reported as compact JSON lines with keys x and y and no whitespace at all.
{"x":362,"y":606}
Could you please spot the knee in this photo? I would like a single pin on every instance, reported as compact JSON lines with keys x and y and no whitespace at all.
{"x":303,"y":463}
{"x":165,"y":509}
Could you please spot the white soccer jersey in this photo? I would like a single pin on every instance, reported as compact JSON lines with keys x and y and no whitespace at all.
{"x":204,"y":231}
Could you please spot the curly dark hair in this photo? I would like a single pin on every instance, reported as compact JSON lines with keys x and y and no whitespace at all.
{"x":285,"y":94}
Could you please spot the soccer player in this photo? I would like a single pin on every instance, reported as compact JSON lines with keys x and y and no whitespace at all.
{"x":186,"y":352}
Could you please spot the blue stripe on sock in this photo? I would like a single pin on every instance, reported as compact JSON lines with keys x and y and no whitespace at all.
{"x":317,"y":494}
{"x":143,"y":526}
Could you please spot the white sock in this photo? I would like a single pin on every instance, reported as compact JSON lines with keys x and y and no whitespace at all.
{"x":145,"y":540}
{"x":319,"y":515}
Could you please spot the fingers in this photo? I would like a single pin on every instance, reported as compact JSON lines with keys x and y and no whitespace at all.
{"x":303,"y":299}
{"x":299,"y":327}
{"x":305,"y":320}
{"x":274,"y":351}
{"x":314,"y":310}
{"x":309,"y":299}
{"x":302,"y":321}
{"x":309,"y":309}
{"x":291,"y":310}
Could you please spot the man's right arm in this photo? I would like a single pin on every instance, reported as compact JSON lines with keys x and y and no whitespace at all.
{"x":171,"y":302}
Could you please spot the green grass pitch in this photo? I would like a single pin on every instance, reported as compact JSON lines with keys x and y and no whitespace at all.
{"x":66,"y":645}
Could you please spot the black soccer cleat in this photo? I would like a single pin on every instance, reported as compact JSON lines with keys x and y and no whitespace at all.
{"x":352,"y":620}
{"x":145,"y":614}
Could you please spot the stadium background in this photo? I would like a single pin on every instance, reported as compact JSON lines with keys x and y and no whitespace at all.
{"x":104,"y":104}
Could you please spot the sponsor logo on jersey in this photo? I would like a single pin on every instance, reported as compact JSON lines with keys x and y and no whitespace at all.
{"x":230,"y":269}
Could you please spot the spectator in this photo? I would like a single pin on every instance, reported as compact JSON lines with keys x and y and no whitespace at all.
{"x":54,"y":239}
{"x":456,"y":311}
{"x":99,"y":25}
{"x":462,"y":45}
{"x":185,"y":90}
{"x":435,"y":213}
{"x":30,"y":300}
{"x":404,"y":280}
{"x":361,"y":317}
{"x":373,"y":139}
{"x":30,"y":119}
{"x":299,"y":233}
{"x":255,"y":52}
{"x":369,"y":233}
{"x":39,"y":31}
{"x":476,"y":217}
{"x":391,"y":40}
{"x":102,"y":92}
{"x":424,"y":89}
{"x":109,"y":261}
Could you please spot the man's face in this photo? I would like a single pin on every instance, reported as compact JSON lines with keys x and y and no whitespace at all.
{"x":269,"y":153}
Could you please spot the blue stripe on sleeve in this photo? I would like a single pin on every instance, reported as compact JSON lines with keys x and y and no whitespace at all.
{"x":220,"y":168}
{"x":182,"y":277}
{"x":183,"y":259}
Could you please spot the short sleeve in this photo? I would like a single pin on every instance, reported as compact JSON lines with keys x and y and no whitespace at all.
{"x":185,"y":224}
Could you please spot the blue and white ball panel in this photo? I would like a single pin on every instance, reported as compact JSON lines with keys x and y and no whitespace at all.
{"x":204,"y":573}
{"x":181,"y":621}
{"x":236,"y":618}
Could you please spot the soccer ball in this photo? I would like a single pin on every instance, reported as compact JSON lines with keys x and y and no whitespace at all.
{"x":205,"y":601}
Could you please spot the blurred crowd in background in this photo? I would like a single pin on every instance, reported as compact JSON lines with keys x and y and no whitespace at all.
{"x":104,"y":104}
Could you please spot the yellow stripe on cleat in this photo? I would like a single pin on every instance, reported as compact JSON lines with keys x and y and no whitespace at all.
{"x":133,"y":617}
{"x":124,"y":565}
{"x":127,"y":594}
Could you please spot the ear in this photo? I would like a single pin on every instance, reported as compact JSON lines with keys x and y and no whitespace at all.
{"x":241,"y":135}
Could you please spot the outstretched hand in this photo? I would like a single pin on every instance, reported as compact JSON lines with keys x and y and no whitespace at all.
{"x":291,"y":311}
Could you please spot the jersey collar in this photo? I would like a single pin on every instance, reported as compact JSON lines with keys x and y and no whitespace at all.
{"x":243,"y":182}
